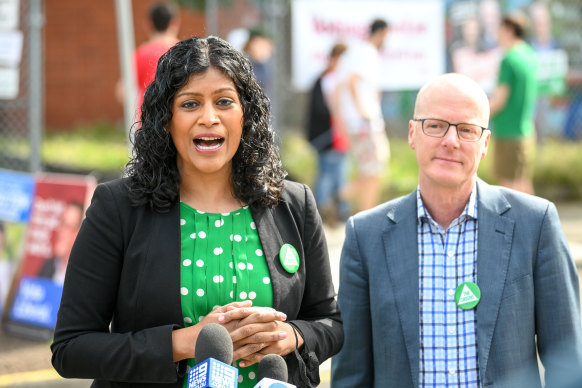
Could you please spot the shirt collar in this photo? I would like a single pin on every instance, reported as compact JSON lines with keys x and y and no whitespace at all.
{"x":469,"y":212}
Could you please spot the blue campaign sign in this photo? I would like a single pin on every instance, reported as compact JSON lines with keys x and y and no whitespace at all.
{"x":37,"y":302}
{"x":16,"y":192}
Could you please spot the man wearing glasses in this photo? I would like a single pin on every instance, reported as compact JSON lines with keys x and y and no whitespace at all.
{"x":458,"y":284}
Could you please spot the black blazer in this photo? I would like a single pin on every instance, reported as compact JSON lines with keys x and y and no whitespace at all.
{"x":124,"y":271}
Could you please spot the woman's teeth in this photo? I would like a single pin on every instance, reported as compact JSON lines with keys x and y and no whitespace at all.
{"x":208,"y":143}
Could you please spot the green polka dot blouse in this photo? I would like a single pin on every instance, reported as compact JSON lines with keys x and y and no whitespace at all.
{"x":222,"y":262}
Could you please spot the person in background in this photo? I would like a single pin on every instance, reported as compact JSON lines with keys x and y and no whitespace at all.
{"x":359,"y":111}
{"x":513,"y":106}
{"x":163,"y":24}
{"x":459,"y":283}
{"x":203,"y":229}
{"x":259,"y":48}
{"x":330,"y":142}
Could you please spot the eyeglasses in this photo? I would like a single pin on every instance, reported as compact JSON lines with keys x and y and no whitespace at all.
{"x":439,"y":128}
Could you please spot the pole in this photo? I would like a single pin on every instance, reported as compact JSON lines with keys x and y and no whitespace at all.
{"x":126,"y":44}
{"x":35,"y":84}
{"x":211,"y":21}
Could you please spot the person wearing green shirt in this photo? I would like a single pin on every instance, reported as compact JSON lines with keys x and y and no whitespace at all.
{"x":513,"y":107}
{"x":204,"y":228}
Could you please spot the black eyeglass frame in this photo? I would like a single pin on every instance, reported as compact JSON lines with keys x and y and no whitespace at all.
{"x":483,"y":129}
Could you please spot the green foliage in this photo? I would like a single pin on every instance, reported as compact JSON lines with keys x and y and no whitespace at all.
{"x":101,"y":146}
{"x":200,"y":5}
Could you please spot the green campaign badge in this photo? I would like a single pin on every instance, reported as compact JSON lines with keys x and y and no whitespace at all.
{"x":467,"y":295}
{"x":289,"y":258}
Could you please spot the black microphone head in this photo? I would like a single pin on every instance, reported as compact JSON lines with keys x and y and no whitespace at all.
{"x":272,"y":366}
{"x":214,"y":341}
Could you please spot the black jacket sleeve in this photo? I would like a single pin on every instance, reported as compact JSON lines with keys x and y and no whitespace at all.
{"x":94,"y":296}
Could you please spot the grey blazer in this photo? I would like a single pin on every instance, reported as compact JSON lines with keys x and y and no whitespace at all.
{"x":528,"y":282}
{"x":124,"y":270}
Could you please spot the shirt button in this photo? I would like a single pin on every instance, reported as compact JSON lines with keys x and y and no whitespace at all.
{"x":450,"y":253}
{"x":451,"y":292}
{"x":452,"y":371}
{"x":452,"y":330}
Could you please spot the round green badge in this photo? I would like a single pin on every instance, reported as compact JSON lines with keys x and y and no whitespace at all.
{"x":289,"y":258}
{"x":467,"y":295}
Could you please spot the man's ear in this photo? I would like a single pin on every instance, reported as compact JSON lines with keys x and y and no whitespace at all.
{"x":411,"y":134}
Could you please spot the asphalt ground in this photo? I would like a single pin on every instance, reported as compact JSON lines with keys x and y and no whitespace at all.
{"x":26,"y":364}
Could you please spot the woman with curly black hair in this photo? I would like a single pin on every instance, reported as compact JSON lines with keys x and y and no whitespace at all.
{"x":203,"y":229}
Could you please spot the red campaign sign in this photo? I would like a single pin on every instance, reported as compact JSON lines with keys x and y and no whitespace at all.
{"x":57,"y":211}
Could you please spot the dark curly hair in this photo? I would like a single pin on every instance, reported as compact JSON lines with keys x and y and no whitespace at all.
{"x":257,"y":174}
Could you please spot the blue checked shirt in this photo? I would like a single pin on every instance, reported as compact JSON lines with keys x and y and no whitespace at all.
{"x":448,"y":334}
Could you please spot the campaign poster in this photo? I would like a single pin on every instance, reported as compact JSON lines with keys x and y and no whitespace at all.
{"x":58,"y":208}
{"x":16,"y":193}
{"x":413,"y":53}
{"x":472,"y":41}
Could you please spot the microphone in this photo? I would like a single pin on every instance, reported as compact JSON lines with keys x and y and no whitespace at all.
{"x":214,"y":348}
{"x":272,"y":372}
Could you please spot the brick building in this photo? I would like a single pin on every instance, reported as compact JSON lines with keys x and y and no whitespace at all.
{"x":82,"y":58}
{"x":81,"y":54}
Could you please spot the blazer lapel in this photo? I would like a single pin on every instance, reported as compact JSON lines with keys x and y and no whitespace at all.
{"x":494,"y":248}
{"x":271,"y":241}
{"x":401,"y":250}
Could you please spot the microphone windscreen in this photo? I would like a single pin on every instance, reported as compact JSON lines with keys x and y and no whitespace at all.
{"x":272,"y":366}
{"x":214,"y":342}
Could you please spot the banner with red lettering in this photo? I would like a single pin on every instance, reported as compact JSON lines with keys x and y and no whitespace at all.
{"x":413,"y":54}
{"x":58,"y":208}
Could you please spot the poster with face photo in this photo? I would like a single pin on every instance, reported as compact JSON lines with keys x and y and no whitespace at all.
{"x":473,"y":49}
{"x":57,"y":211}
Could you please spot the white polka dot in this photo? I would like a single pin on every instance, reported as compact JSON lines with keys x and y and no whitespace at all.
{"x":219,"y":223}
{"x":236,"y":214}
{"x":266,"y":280}
{"x":259,"y":252}
{"x":234,"y":279}
{"x":253,"y":226}
{"x":225,"y":214}
{"x":188,"y":320}
{"x":187,"y":262}
{"x":252,"y":375}
{"x":250,"y":266}
{"x":184,"y":291}
{"x":200,"y":212}
{"x":241,"y":266}
{"x":193,"y":236}
{"x":252,"y":295}
{"x":218,"y":279}
{"x":202,"y":234}
{"x":182,"y":221}
{"x":237,"y":238}
{"x":200,"y":318}
{"x":240,"y":379}
{"x":200,"y":263}
{"x":243,"y":295}
{"x":231,"y":294}
{"x":217,"y":251}
{"x":246,"y":207}
{"x":246,"y":238}
{"x":200,"y":292}
{"x":216,"y":306}
{"x":230,"y":264}
{"x":230,"y":237}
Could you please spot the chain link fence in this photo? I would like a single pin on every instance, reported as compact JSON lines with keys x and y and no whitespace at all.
{"x":21,"y":86}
